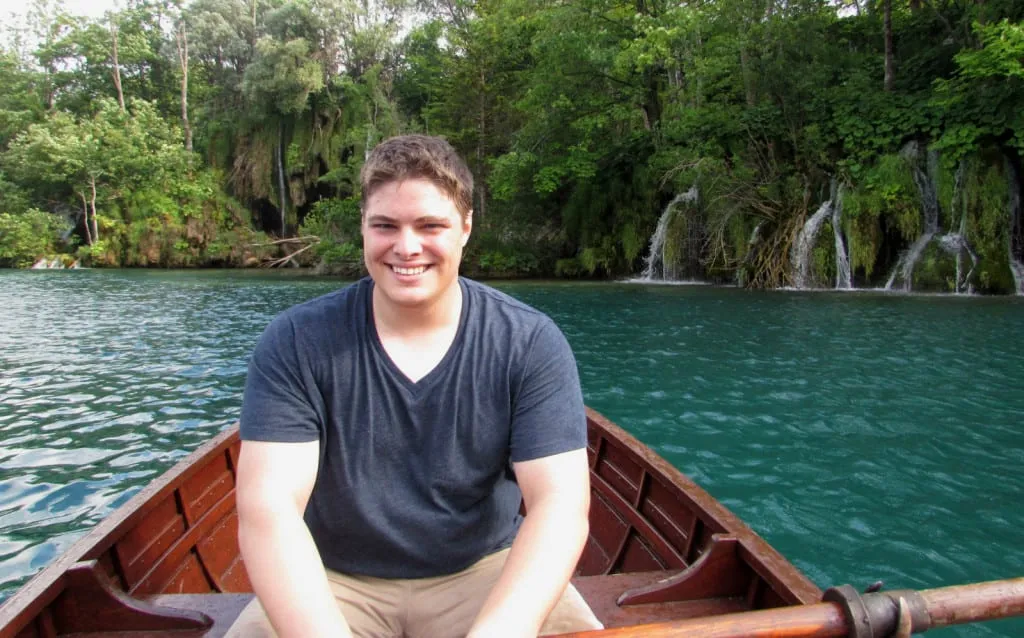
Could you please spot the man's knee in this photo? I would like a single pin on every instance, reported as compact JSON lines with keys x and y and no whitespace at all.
{"x":252,"y":623}
{"x":571,"y":613}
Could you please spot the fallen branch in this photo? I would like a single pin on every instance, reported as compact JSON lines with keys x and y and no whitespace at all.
{"x":291,"y":240}
{"x":289,"y":257}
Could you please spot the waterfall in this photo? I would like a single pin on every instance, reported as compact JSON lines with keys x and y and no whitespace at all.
{"x":956,"y":243}
{"x":844,"y":278}
{"x":755,"y":239}
{"x":804,"y":243}
{"x":280,"y":177}
{"x":1016,"y":247}
{"x":656,"y":253}
{"x":924,"y":179}
{"x":801,"y":252}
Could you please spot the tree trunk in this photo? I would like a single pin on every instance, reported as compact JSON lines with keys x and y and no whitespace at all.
{"x":182,"y":40}
{"x":85,"y":215}
{"x":51,"y":93}
{"x":481,"y":150}
{"x":117,"y":66}
{"x":252,"y":43}
{"x":889,"y":71}
{"x":95,"y":226}
{"x":748,"y":76}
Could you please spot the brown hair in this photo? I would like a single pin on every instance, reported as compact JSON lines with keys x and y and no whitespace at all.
{"x":419,"y":157}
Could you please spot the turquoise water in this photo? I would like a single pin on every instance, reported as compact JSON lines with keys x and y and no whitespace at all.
{"x":866,"y":436}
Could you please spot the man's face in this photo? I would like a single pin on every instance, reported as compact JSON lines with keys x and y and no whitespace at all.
{"x":412,"y":242}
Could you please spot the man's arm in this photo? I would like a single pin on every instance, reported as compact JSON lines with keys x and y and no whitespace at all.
{"x":556,"y":491}
{"x":275,"y":481}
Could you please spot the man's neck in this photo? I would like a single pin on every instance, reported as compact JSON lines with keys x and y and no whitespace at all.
{"x":410,"y":321}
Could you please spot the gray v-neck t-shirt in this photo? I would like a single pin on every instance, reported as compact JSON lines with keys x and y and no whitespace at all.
{"x":415,"y":479}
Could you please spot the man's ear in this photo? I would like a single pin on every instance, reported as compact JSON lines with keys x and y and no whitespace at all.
{"x":467,"y":227}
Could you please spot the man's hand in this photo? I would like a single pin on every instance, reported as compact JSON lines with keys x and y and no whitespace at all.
{"x":275,"y":481}
{"x":556,"y":491}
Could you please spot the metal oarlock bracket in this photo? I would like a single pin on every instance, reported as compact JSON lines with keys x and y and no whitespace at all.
{"x":877,"y":614}
{"x":858,"y":620}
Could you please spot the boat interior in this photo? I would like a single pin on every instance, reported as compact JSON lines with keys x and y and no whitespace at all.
{"x":660,"y":549}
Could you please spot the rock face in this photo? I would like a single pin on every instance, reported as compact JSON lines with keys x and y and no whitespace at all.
{"x":56,"y":263}
{"x":924,"y":167}
{"x":924,"y":179}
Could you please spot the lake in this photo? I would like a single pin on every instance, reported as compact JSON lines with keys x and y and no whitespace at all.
{"x":867,"y":436}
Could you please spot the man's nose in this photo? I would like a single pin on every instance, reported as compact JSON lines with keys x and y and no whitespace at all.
{"x":408,"y":243}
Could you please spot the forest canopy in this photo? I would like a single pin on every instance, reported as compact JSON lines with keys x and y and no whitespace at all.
{"x":805,"y":143}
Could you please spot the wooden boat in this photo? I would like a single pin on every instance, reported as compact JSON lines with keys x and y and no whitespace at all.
{"x":662,"y":555}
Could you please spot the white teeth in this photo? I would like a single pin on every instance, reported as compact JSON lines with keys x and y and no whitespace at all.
{"x":409,"y":271}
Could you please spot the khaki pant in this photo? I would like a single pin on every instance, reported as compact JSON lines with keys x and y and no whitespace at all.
{"x":436,"y":607}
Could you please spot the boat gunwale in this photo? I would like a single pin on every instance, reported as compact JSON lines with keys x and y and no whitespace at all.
{"x":766,"y":561}
{"x":30,"y":600}
{"x":18,"y":611}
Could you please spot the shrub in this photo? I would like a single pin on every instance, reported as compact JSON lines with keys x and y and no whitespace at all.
{"x":26,"y":237}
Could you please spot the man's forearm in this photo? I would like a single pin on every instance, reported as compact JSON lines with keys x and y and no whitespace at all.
{"x":288,"y":576}
{"x":535,"y":574}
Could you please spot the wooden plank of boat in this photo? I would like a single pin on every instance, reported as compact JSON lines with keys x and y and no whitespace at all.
{"x":661,"y":552}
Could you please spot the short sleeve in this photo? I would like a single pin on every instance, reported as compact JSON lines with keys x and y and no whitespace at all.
{"x":281,"y":401}
{"x":548,"y":416}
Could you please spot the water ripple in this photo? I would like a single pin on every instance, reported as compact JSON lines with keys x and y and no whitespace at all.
{"x":106,"y":379}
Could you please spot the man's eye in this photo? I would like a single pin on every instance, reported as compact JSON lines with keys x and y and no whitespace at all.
{"x":383,"y":226}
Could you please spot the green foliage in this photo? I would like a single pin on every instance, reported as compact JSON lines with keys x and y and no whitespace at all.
{"x":569,"y":268}
{"x":336,"y":222}
{"x":29,"y":236}
{"x":507,"y":262}
{"x":20,"y":101}
{"x":580,"y":122}
{"x":886,"y":191}
{"x":1001,"y":54}
{"x":283,"y":75}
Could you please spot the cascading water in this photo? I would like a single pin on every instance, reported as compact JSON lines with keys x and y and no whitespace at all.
{"x":804,"y":244}
{"x":833,"y":208}
{"x":1016,"y":247}
{"x":924,"y":179}
{"x":655,"y":267}
{"x":844,"y":278}
{"x":956,"y":243}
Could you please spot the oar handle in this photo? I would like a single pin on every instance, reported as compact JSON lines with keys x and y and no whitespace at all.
{"x":846,"y":614}
{"x":973,"y":603}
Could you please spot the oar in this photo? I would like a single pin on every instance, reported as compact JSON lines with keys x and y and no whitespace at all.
{"x":846,"y":614}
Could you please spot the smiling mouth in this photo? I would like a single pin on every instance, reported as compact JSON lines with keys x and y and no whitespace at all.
{"x":418,"y":270}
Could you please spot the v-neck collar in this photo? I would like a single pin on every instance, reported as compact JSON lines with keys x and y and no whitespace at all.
{"x":427,"y":380}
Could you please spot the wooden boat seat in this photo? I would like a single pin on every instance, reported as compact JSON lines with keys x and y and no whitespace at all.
{"x":706,"y":588}
{"x":223,"y":609}
{"x":603,"y":592}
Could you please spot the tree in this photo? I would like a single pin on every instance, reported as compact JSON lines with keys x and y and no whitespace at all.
{"x":22,"y":100}
{"x":96,"y":158}
{"x":28,"y":237}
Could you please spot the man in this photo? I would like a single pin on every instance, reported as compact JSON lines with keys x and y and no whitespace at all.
{"x":389,"y":427}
